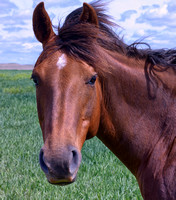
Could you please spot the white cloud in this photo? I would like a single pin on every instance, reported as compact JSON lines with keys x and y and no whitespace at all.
{"x":22,"y":5}
{"x":25,"y":32}
{"x":150,"y":20}
{"x":141,"y":32}
{"x":159,"y":12}
{"x":29,"y":46}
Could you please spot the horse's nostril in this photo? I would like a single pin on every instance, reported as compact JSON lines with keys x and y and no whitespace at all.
{"x":75,"y":156}
{"x":74,"y":162}
{"x":42,"y":162}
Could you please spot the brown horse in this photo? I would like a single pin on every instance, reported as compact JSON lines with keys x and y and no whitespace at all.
{"x":89,"y":83}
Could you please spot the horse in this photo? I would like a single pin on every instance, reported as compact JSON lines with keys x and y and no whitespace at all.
{"x":90,"y":83}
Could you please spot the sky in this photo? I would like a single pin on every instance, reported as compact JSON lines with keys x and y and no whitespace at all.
{"x":152,"y":21}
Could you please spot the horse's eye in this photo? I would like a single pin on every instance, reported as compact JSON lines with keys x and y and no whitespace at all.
{"x":92,"y":80}
{"x":35,"y":80}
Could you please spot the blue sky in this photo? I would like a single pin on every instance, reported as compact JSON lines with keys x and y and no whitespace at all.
{"x":154,"y":20}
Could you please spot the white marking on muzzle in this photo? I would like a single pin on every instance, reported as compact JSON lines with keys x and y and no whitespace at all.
{"x":62,"y":61}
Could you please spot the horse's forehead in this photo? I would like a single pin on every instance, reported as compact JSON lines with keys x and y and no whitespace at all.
{"x":67,"y":65}
{"x":62,"y":61}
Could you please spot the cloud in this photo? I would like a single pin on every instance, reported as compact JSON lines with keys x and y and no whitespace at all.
{"x":159,"y":15}
{"x":28,"y":46}
{"x":58,"y":3}
{"x":127,"y":14}
{"x":22,"y":5}
{"x":148,"y":20}
{"x":6,"y":7}
{"x":160,"y":20}
{"x":153,"y":14}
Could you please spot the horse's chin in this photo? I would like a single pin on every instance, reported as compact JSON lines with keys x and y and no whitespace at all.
{"x":61,"y":182}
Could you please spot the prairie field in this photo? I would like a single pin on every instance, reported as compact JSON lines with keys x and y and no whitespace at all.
{"x":101,"y":175}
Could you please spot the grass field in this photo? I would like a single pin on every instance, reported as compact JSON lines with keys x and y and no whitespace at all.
{"x":101,"y":175}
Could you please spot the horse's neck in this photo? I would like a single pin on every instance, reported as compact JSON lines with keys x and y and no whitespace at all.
{"x":131,"y":123}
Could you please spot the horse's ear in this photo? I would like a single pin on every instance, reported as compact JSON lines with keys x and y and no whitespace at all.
{"x":89,"y":14}
{"x":42,"y":25}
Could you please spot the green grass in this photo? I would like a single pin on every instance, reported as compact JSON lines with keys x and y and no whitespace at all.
{"x":101,"y":175}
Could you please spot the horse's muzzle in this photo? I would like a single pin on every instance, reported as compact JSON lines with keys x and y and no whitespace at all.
{"x":60,"y":167}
